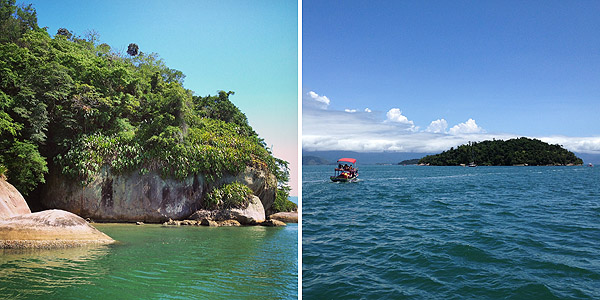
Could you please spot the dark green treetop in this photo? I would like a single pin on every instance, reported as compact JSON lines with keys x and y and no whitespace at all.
{"x":520,"y":151}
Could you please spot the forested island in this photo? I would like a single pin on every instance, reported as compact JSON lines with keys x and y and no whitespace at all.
{"x":520,"y":151}
{"x":81,"y":119}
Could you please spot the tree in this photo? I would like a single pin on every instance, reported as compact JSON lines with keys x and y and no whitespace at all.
{"x":64,"y":32}
{"x":133,"y":49}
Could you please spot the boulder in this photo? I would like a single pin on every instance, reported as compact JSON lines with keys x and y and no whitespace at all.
{"x":49,"y":229}
{"x":251,"y":215}
{"x":273,"y":223}
{"x":287,"y":217}
{"x":12,"y":203}
{"x":207,"y":222}
{"x":148,"y":198}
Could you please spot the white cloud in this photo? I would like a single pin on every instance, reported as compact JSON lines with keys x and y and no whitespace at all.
{"x":350,"y":110}
{"x":313,"y":99}
{"x":437,"y":126}
{"x":467,"y":127}
{"x":326,"y":129}
{"x":589,"y":145}
{"x":395,"y":115}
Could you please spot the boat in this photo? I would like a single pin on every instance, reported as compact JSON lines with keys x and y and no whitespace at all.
{"x":345,"y":172}
{"x":472,"y":164}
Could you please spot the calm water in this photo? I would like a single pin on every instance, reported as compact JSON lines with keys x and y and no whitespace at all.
{"x":153,"y":262}
{"x":452,"y":233}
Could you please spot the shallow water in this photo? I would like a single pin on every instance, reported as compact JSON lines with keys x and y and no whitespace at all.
{"x":408,"y":232}
{"x":155,"y":262}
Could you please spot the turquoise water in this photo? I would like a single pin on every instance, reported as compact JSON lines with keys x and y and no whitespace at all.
{"x":154,"y":262}
{"x":408,"y":232}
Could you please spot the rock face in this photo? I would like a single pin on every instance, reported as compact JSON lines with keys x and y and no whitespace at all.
{"x":148,"y":198}
{"x":286,"y":217}
{"x":12,"y":203}
{"x":49,"y":229}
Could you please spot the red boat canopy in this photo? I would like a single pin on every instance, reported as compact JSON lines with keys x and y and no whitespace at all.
{"x":350,"y":160}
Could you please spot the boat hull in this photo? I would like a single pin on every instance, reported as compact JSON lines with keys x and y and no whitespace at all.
{"x":343,"y":179}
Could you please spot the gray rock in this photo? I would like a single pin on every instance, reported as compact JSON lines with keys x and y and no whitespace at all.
{"x":273,"y":223}
{"x":251,"y":215}
{"x":287,"y":217}
{"x":150,"y":198}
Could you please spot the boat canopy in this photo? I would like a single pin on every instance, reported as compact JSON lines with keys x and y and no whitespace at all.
{"x":350,"y":160}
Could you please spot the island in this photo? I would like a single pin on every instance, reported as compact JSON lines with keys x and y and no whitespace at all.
{"x":308,"y":160}
{"x":112,"y":135}
{"x":513,"y":152}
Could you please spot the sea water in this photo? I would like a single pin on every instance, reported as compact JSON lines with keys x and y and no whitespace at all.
{"x":410,"y":232}
{"x":155,"y":262}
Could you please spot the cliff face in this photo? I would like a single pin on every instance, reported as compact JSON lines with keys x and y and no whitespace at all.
{"x":149,"y":198}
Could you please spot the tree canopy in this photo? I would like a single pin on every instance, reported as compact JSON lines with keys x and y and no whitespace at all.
{"x":76,"y":105}
{"x":521,"y":151}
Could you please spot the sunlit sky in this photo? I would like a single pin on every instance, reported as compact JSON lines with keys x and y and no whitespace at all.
{"x":249,"y":47}
{"x":423,"y":76}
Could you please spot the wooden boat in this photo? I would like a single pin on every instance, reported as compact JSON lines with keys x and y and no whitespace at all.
{"x":345,"y":173}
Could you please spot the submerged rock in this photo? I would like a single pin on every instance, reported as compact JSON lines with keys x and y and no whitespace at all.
{"x":49,"y":229}
{"x":287,"y":217}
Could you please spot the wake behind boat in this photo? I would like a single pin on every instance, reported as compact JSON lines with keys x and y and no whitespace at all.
{"x":345,"y":173}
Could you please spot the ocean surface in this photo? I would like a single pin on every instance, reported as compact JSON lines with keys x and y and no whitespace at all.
{"x":154,"y":262}
{"x":409,"y":232}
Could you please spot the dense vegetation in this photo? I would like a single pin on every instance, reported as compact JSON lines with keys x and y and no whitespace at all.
{"x":75,"y":104}
{"x":413,"y":161}
{"x":521,"y":151}
{"x":233,"y":195}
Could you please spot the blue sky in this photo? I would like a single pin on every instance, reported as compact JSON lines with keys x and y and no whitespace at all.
{"x":249,"y":47}
{"x":436,"y":74}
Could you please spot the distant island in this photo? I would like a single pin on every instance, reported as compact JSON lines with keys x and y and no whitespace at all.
{"x":520,"y":151}
{"x":314,"y":160}
{"x":413,"y":161}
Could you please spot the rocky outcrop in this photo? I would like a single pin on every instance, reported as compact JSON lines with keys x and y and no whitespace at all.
{"x":19,"y":228}
{"x":286,"y":217}
{"x":251,"y":215}
{"x":148,"y":198}
{"x":12,"y":203}
{"x":49,"y":229}
{"x":273,"y":223}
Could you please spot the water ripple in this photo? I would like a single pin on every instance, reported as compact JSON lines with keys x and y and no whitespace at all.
{"x":452,"y":233}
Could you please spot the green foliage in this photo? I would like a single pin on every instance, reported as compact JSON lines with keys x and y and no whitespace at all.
{"x":25,"y":167}
{"x":83,"y":107}
{"x":521,"y":151}
{"x":233,"y":195}
{"x":3,"y":171}
{"x":282,"y":201}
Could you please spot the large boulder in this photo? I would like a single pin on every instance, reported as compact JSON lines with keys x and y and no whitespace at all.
{"x":251,"y":215}
{"x":12,"y":203}
{"x":49,"y":229}
{"x":286,"y":217}
{"x":148,"y":197}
